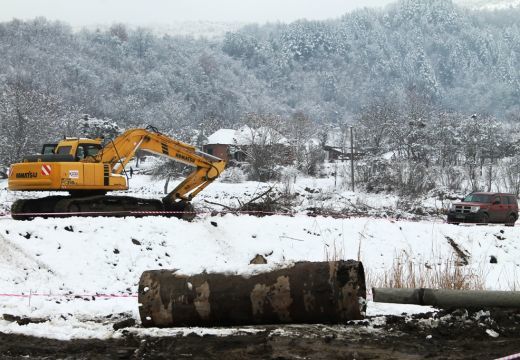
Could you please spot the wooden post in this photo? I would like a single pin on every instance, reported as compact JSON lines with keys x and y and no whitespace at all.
{"x":307,"y":292}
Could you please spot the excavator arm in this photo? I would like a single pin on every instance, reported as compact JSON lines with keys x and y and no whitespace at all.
{"x":207,"y":167}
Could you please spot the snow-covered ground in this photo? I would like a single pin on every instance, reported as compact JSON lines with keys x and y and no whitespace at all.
{"x":327,"y":193}
{"x":81,"y":273}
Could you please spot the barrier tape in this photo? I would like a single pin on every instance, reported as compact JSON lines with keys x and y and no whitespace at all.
{"x":242,"y":212}
{"x":161,"y":212}
{"x":101,"y":296}
{"x":308,"y":213}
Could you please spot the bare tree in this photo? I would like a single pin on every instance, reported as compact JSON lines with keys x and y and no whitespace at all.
{"x":266,"y":147}
{"x":300,"y":130}
{"x":28,"y":118}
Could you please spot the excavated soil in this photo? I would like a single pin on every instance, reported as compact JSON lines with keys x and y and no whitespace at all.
{"x":458,"y":334}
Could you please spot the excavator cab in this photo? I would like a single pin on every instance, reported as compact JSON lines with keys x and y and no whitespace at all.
{"x":67,"y":150}
{"x":79,"y":149}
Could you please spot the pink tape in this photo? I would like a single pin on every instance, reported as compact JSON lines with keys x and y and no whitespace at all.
{"x":72,"y":295}
{"x":130,"y":213}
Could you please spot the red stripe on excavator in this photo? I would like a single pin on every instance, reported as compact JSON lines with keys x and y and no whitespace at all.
{"x":46,"y":169}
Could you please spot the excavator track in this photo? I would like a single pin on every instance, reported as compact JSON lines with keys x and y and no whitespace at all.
{"x":27,"y":209}
{"x":98,"y":205}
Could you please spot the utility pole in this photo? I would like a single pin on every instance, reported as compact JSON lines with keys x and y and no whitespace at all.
{"x":335,"y":172}
{"x":352,"y":157}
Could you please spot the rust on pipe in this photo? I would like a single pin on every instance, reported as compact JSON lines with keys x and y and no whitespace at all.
{"x":307,"y":292}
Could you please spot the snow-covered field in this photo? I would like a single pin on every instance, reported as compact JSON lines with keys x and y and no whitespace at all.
{"x":81,"y":273}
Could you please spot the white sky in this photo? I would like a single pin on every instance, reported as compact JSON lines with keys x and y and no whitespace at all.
{"x":87,"y":12}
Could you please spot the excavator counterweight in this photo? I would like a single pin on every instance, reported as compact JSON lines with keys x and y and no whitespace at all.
{"x":87,"y":170}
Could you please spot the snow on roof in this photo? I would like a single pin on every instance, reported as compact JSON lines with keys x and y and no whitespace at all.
{"x":223,"y":137}
{"x":246,"y":136}
{"x":389,"y":155}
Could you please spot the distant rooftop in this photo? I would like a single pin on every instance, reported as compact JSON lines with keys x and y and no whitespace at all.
{"x":245,"y":136}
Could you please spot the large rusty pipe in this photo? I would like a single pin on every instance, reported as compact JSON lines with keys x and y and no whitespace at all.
{"x":444,"y":298}
{"x":307,"y":292}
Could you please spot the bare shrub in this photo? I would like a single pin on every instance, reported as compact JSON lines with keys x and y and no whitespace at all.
{"x":511,"y":175}
{"x":472,"y":174}
{"x":450,"y":177}
{"x":375,"y":175}
{"x":415,"y":178}
{"x":234,"y":175}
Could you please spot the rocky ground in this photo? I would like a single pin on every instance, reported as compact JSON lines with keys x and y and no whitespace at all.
{"x":457,"y":334}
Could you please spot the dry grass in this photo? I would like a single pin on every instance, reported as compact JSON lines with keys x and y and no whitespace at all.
{"x":334,"y":252}
{"x":407,"y":272}
{"x":513,"y":282}
{"x":445,"y":274}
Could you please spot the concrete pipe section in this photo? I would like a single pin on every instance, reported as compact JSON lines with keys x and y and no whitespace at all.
{"x":307,"y":292}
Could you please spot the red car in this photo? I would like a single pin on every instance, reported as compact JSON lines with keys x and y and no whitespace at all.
{"x":484,"y":207}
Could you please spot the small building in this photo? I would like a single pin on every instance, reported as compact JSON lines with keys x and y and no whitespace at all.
{"x":334,"y":153}
{"x":337,"y":145}
{"x":232,"y":145}
{"x":219,"y":142}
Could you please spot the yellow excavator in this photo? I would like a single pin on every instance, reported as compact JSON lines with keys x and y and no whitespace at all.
{"x":87,"y":170}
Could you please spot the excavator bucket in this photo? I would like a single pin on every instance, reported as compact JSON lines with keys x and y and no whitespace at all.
{"x":181,"y":209}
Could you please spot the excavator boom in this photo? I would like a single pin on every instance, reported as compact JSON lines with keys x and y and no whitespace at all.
{"x":87,"y":170}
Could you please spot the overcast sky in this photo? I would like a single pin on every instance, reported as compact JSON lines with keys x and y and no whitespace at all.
{"x":86,"y":12}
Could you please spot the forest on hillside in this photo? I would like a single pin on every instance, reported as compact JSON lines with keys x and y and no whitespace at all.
{"x":426,"y":80}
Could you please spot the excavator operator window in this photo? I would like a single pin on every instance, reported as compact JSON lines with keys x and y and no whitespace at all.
{"x":80,"y":153}
{"x":48,"y":149}
{"x":64,"y":150}
{"x":87,"y":150}
{"x":91,"y":149}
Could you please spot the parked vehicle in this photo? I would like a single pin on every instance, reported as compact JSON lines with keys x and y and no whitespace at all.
{"x":484,"y":207}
